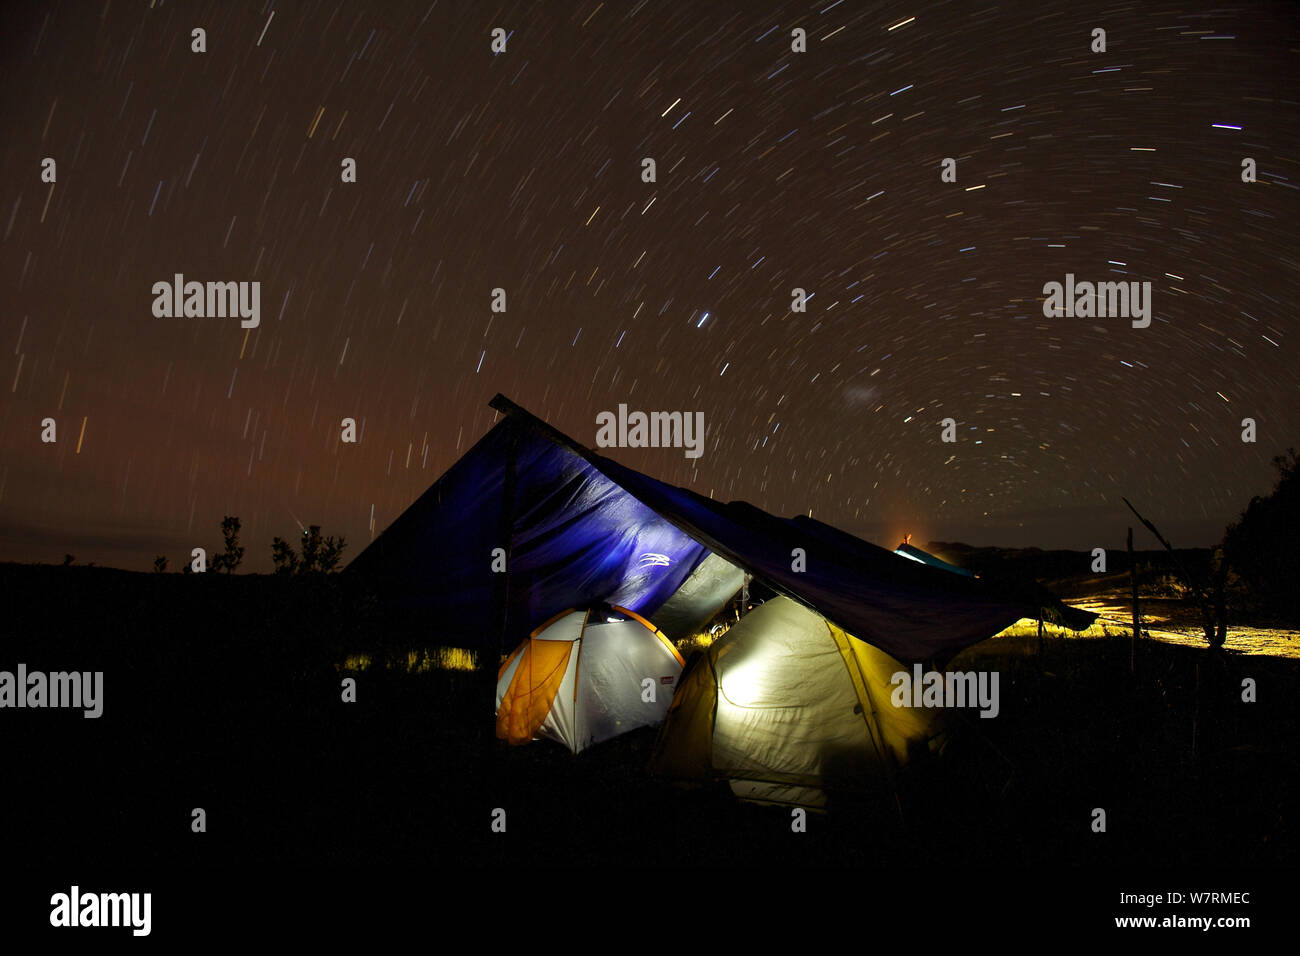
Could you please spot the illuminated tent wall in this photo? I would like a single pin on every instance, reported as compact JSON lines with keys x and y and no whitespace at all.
{"x":581,"y":678}
{"x":786,"y":707}
{"x":579,"y":528}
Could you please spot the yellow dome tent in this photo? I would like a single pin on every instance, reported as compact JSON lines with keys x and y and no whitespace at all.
{"x":786,"y":707}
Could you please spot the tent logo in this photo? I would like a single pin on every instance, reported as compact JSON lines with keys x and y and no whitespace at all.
{"x":950,"y":689}
{"x":653,"y":430}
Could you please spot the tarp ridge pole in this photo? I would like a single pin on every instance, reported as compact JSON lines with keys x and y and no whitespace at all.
{"x":1193,"y":583}
{"x":501,"y":583}
{"x":1137,"y":620}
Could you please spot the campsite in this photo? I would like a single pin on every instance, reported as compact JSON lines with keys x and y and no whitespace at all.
{"x":679,"y":487}
{"x":236,"y":681}
{"x":247,"y":711}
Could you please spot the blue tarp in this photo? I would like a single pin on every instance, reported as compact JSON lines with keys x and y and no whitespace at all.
{"x":576,"y":538}
{"x":585,"y":528}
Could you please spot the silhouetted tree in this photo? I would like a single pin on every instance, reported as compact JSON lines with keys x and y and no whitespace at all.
{"x":311,"y":545}
{"x":283,"y":556}
{"x":68,"y":560}
{"x":331,"y":553}
{"x":319,"y":555}
{"x":234,"y":551}
{"x":160,"y":564}
{"x":1261,"y":545}
{"x":325,"y":553}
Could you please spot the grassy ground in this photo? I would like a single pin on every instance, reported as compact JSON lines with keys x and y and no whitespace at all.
{"x":224,"y":694}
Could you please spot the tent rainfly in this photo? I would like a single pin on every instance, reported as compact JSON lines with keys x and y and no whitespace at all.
{"x":529,"y":523}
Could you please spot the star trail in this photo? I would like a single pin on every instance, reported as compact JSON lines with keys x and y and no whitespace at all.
{"x":523,"y":169}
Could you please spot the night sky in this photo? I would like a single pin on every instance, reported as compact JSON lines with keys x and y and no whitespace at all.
{"x":523,"y":170}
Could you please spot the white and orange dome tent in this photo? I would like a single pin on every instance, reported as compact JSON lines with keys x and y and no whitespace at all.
{"x":584,"y":676}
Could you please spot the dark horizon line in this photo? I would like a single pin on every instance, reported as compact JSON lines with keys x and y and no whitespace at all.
{"x":5,"y":562}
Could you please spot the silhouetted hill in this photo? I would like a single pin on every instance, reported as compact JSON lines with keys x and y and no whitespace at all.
{"x":1049,"y":566}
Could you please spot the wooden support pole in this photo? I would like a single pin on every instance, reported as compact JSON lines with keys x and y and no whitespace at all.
{"x":1137,"y":620}
{"x":492,"y":647}
{"x":1220,"y":604}
{"x":1040,"y":639}
{"x":1207,"y":616}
